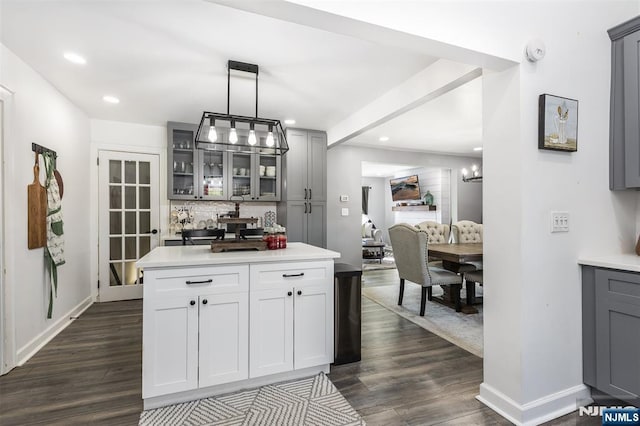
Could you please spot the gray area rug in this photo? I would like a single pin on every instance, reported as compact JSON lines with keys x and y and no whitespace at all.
{"x":460,"y":329}
{"x":311,"y":401}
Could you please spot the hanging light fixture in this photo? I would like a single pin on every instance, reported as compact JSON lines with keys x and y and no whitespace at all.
{"x":475,"y":176}
{"x":236,"y":133}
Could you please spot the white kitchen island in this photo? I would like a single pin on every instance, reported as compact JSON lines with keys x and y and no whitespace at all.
{"x":219,"y":322}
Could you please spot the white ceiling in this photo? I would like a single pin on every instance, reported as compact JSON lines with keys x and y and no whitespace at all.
{"x":166,"y":61}
{"x":370,"y":169}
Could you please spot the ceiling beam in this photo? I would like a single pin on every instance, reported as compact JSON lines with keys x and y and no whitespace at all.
{"x":439,"y":78}
{"x":315,"y":18}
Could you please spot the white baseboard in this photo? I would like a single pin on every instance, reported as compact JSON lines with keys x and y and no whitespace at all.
{"x":31,"y":348}
{"x":538,"y":411}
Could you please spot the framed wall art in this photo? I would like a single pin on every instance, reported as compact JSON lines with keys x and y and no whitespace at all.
{"x":557,"y":123}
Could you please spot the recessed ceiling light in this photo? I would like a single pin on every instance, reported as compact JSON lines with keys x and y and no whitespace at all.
{"x":384,"y":138}
{"x":111,"y":99}
{"x":289,"y":121}
{"x":75,"y":58}
{"x":478,"y":148}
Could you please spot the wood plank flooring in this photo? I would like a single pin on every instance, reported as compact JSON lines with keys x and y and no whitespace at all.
{"x":91,"y":374}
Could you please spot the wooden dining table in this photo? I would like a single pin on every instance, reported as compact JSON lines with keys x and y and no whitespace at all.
{"x":453,"y":257}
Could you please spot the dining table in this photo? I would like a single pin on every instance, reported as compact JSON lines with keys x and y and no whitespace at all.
{"x":456,"y":258}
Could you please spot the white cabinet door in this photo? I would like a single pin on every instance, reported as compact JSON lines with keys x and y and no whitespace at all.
{"x":271,"y":331}
{"x":170,"y":346}
{"x":313,"y":318}
{"x":224,"y":338}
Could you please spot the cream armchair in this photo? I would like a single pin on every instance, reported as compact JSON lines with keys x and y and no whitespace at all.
{"x":370,"y":233}
{"x":466,"y":231}
{"x":410,"y":251}
{"x":438,"y":233}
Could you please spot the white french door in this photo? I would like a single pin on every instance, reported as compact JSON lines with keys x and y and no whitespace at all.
{"x":128,"y":221}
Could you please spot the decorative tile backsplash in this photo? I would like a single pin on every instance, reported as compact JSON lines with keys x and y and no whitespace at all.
{"x":200,"y":213}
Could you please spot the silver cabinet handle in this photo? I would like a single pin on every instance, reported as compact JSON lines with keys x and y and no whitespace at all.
{"x":301,"y":274}
{"x":210,"y":280}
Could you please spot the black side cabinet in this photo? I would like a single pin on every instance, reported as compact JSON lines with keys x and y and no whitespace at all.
{"x":611,"y":332}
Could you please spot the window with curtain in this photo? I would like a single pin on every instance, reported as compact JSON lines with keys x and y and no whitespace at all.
{"x":365,"y":199}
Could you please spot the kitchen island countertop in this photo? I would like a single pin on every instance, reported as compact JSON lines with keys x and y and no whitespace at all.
{"x":624,"y":262}
{"x":177,"y":256}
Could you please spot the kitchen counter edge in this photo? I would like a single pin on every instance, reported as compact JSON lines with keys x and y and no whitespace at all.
{"x":177,"y":256}
{"x":625,"y":262}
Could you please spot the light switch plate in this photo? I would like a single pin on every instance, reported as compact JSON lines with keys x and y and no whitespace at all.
{"x":344,"y":198}
{"x":559,"y":221}
{"x":345,"y":211}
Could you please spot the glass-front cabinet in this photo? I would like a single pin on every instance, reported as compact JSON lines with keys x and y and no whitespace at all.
{"x":182,"y":162}
{"x":255,"y":177}
{"x":196,"y":174}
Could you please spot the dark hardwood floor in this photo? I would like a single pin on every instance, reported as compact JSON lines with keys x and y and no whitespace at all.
{"x":91,"y":374}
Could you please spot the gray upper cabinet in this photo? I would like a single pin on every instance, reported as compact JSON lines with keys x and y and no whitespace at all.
{"x":306,"y":165}
{"x":305,"y":179}
{"x":182,"y":162}
{"x":195,"y":174}
{"x":624,"y":131}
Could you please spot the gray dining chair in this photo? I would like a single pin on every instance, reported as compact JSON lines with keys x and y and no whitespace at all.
{"x":410,"y":249}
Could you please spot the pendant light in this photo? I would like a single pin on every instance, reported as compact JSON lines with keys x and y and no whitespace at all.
{"x":213,"y":135}
{"x":236,"y":133}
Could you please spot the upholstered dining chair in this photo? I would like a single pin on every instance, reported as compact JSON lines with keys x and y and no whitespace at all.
{"x":471,"y":278}
{"x":410,"y":248}
{"x":467,"y":231}
{"x":438,"y":233}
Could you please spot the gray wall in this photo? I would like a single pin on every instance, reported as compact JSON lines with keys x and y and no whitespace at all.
{"x":469,"y":196}
{"x":344,"y":177}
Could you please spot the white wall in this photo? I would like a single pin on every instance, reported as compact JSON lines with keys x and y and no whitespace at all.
{"x":344,"y":178}
{"x":532,"y":363}
{"x":43,"y":115}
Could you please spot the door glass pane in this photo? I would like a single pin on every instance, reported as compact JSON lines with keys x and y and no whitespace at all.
{"x":115,"y":223}
{"x":129,"y":172}
{"x":115,"y":248}
{"x":130,"y":197}
{"x":130,"y":273}
{"x":115,"y":197}
{"x":145,"y":245}
{"x":115,"y":171}
{"x":115,"y":274}
{"x":130,"y":222}
{"x":144,"y":172}
{"x":130,"y":248}
{"x":145,"y":222}
{"x":145,"y":197}
{"x":241,"y":170}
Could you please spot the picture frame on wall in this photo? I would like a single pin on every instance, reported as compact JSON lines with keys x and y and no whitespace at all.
{"x":557,"y":123}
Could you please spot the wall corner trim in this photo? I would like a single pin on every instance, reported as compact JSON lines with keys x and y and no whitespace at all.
{"x":538,"y":411}
{"x":38,"y":342}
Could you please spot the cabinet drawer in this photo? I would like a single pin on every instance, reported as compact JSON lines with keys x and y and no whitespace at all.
{"x":291,"y":274}
{"x":192,"y":280}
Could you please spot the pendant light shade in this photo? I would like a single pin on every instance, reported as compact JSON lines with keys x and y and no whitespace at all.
{"x":236,"y":133}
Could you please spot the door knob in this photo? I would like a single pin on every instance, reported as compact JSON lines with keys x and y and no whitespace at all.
{"x":193,"y":302}
{"x":299,"y":292}
{"x":289,"y":293}
{"x":205,"y":301}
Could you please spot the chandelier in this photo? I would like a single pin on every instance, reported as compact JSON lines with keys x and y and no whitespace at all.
{"x":237,"y":133}
{"x":475,"y":176}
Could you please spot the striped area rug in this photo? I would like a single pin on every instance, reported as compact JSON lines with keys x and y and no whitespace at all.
{"x":312,"y":401}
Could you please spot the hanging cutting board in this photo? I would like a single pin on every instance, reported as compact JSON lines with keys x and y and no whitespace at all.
{"x":37,"y":211}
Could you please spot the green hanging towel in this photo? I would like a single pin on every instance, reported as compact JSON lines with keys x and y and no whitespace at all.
{"x":54,"y":251}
